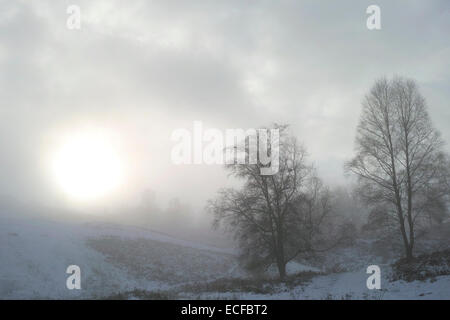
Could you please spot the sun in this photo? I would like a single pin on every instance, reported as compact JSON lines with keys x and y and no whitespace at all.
{"x":86,"y":166}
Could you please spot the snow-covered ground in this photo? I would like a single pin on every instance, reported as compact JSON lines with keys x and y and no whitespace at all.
{"x":349,"y":285}
{"x":35,"y":252}
{"x":34,"y":255}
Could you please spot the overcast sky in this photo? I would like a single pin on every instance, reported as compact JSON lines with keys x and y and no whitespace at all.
{"x":141,"y":69}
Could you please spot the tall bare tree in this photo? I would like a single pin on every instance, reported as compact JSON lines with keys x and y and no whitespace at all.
{"x":274,"y":217}
{"x":399,"y":160}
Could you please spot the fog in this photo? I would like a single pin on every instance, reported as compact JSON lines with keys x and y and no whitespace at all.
{"x":117,"y":119}
{"x":141,"y":70}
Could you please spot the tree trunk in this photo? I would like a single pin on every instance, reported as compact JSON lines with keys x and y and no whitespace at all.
{"x":409,"y":253}
{"x":281,"y":263}
{"x":281,"y":269}
{"x":406,"y":243}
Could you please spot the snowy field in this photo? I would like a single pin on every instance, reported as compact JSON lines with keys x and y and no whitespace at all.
{"x":131,"y":262}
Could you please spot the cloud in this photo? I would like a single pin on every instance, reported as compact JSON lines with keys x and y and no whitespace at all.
{"x":147,"y":68}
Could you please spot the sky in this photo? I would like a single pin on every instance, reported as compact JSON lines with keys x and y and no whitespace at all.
{"x":138,"y":70}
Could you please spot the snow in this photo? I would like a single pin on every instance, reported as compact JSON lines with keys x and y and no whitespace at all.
{"x":35,"y":252}
{"x":34,"y":255}
{"x":350,"y":285}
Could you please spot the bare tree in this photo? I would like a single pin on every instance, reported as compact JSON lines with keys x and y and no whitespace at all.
{"x":274,"y":217}
{"x":399,"y":159}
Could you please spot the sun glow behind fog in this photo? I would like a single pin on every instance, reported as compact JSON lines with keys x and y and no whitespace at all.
{"x":87,"y":166}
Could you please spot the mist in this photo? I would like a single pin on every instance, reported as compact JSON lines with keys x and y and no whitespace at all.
{"x":134,"y":73}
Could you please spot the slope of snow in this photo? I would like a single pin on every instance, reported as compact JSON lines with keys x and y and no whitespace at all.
{"x":34,"y":255}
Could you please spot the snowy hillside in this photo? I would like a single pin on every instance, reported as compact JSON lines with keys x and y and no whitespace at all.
{"x":118,"y":261}
{"x":34,"y":255}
